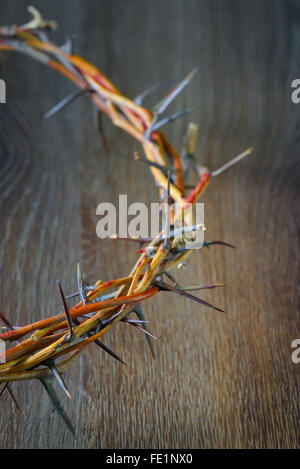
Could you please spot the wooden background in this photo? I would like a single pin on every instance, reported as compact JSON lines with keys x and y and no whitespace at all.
{"x":222,"y":381}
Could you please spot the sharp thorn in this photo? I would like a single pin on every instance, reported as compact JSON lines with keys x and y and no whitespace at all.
{"x":138,"y":311}
{"x":79,"y":284}
{"x":145,"y":94}
{"x":208,"y":286}
{"x":67,"y":313}
{"x":12,"y":395}
{"x":109,"y":351}
{"x":6,"y":322}
{"x":3,"y":388}
{"x":72,"y":295}
{"x":162,"y":105}
{"x":103,"y":139}
{"x":172,"y":118}
{"x":166,"y":287}
{"x":167,"y":240}
{"x":63,"y":103}
{"x":47,"y":382}
{"x":206,"y":244}
{"x":57,"y":375}
{"x":232,"y":162}
{"x":163,"y":169}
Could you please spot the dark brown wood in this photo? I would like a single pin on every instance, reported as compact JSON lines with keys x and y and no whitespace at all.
{"x":223,"y":381}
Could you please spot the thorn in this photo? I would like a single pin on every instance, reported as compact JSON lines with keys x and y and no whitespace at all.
{"x":145,"y":94}
{"x":72,"y":295}
{"x":101,"y":345}
{"x":12,"y":395}
{"x":172,"y":118}
{"x":80,"y":285}
{"x":103,"y":139}
{"x":206,"y":244}
{"x":164,"y":286}
{"x":202,"y":287}
{"x":165,"y":170}
{"x":109,"y":351}
{"x":3,"y":388}
{"x":232,"y":162}
{"x":47,"y":382}
{"x":135,"y":321}
{"x":138,"y":311}
{"x":162,"y":106}
{"x":57,"y":375}
{"x":142,"y":329}
{"x":6,"y":322}
{"x":63,"y":103}
{"x":167,"y":223}
{"x":67,"y":313}
{"x":68,"y":46}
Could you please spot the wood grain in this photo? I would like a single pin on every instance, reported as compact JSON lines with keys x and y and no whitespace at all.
{"x":222,"y":381}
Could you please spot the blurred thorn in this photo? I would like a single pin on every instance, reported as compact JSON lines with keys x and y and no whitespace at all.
{"x":67,"y":313}
{"x":164,"y":169}
{"x":103,"y":139}
{"x":145,"y":94}
{"x":162,"y":105}
{"x":6,"y":322}
{"x":206,"y":244}
{"x":172,"y":118}
{"x":63,"y":103}
{"x":232,"y":162}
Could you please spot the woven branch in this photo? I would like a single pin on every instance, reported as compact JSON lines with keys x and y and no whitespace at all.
{"x":46,"y":348}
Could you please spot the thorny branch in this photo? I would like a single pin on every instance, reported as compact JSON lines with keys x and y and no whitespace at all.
{"x":101,"y":306}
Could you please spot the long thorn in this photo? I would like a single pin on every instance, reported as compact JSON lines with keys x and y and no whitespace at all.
{"x":167,"y":223}
{"x":6,"y":322}
{"x":109,"y":351}
{"x":138,"y":311}
{"x":57,"y":375}
{"x":102,"y":346}
{"x":206,"y":244}
{"x":145,"y":94}
{"x":172,"y":118}
{"x":67,"y":313}
{"x":162,"y":106}
{"x":12,"y":395}
{"x":163,"y":169}
{"x":164,"y":286}
{"x":232,"y":162}
{"x":208,"y":286}
{"x":63,"y":103}
{"x":79,"y":284}
{"x":47,"y":382}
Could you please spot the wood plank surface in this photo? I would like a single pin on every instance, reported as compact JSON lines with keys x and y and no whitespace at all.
{"x":222,"y":381}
